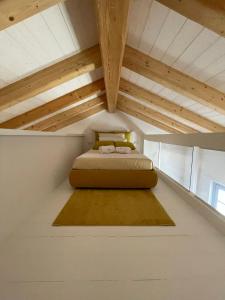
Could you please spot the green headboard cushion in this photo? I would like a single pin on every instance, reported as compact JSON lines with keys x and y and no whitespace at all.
{"x":125,"y":144}
{"x":126,"y":133}
{"x":102,"y":143}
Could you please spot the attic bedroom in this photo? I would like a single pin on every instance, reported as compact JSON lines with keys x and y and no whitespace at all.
{"x":112,"y":140}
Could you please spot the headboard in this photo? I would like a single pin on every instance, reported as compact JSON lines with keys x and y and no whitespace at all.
{"x":128,"y":134}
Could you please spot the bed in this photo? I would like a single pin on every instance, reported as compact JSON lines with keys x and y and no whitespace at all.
{"x":94,"y":169}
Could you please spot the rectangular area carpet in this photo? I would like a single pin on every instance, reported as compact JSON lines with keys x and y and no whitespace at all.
{"x":94,"y":207}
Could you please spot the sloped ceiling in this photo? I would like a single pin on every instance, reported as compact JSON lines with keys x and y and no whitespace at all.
{"x":70,"y":27}
{"x":43,"y":39}
{"x":178,"y":42}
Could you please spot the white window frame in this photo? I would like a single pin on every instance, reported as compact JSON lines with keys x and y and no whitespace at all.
{"x":215,"y":187}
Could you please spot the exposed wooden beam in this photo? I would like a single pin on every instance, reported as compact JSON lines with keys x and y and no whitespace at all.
{"x":173,"y":79}
{"x":209,"y":13}
{"x":138,"y":107}
{"x":67,"y":69}
{"x":14,"y":11}
{"x":112,"y":25}
{"x":146,"y":119}
{"x":76,"y":118}
{"x":149,"y":97}
{"x":69,"y":113}
{"x":54,"y":105}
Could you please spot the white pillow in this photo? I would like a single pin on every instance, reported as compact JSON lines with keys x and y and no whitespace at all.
{"x":107,"y":149}
{"x":116,"y":137}
{"x":124,"y":150}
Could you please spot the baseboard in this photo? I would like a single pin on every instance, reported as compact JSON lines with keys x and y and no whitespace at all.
{"x":215,"y":218}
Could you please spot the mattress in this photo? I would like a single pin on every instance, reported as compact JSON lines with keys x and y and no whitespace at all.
{"x":95,"y":160}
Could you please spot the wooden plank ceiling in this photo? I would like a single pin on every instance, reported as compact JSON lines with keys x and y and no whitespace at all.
{"x":12,"y":12}
{"x":173,"y":67}
{"x":210,"y":14}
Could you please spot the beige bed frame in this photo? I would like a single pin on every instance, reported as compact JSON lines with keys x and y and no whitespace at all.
{"x":83,"y":178}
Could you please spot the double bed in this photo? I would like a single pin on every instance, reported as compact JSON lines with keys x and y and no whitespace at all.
{"x":94,"y":169}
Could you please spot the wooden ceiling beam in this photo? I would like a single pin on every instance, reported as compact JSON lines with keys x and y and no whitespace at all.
{"x":210,"y":14}
{"x":112,"y":25}
{"x":149,"y":97}
{"x":81,"y":116}
{"x":138,"y":107}
{"x":54,"y":105}
{"x":146,"y":119}
{"x":173,"y":79}
{"x":69,"y":113}
{"x":14,"y":11}
{"x":67,"y":69}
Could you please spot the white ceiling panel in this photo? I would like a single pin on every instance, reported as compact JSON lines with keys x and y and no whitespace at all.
{"x":173,"y":96}
{"x":180,"y":43}
{"x":170,"y":29}
{"x":165,"y":112}
{"x":45,"y":38}
{"x":42,"y":40}
{"x":63,"y":109}
{"x":186,"y":35}
{"x":154,"y":23}
{"x":138,"y":16}
{"x":69,"y":27}
{"x":51,"y":94}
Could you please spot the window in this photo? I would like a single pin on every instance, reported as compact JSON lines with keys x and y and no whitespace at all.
{"x":200,"y":171}
{"x":218,"y":197}
{"x":210,"y":170}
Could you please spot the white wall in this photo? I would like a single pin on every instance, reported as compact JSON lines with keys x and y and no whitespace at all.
{"x":31,"y":167}
{"x":108,"y":121}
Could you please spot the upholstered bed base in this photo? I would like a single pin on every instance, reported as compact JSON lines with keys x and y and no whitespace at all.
{"x":83,"y":178}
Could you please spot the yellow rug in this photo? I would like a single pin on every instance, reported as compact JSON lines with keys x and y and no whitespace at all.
{"x":90,"y":207}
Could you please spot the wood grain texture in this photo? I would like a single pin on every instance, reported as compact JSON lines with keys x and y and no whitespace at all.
{"x":14,"y":11}
{"x":112,"y":25}
{"x":210,"y":14}
{"x":69,"y":121}
{"x":173,"y":79}
{"x":146,"y":119}
{"x":149,"y":97}
{"x":138,"y":107}
{"x":83,"y":62}
{"x":54,"y":105}
{"x":42,"y":125}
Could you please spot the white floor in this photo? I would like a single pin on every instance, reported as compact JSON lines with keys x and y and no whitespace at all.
{"x":185,"y":262}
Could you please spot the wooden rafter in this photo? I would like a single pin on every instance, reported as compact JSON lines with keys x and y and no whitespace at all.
{"x":14,"y":11}
{"x":69,"y":113}
{"x":50,"y":77}
{"x":145,"y":118}
{"x":209,"y":13}
{"x":173,"y":79}
{"x":69,"y":121}
{"x":138,"y":107}
{"x":112,"y":25}
{"x":54,"y":105}
{"x":149,"y":97}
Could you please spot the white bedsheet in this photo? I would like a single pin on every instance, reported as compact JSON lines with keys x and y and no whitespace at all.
{"x":95,"y":160}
